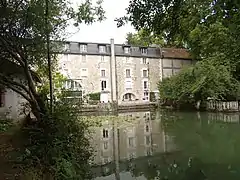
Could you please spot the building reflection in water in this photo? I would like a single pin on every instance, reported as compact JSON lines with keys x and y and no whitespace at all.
{"x":137,"y":134}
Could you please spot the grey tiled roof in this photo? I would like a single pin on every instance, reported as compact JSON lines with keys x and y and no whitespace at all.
{"x":93,"y":49}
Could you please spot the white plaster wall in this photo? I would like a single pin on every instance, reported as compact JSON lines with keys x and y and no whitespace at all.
{"x":167,"y":73}
{"x":13,"y":102}
{"x":13,"y":105}
{"x":167,"y":62}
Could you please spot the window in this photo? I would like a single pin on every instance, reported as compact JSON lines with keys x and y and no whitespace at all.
{"x":128,"y":85}
{"x":148,"y":152}
{"x":84,"y":58}
{"x":68,"y":84}
{"x":144,"y":60}
{"x":83,"y":48}
{"x":2,"y":98}
{"x":131,"y":142}
{"x":144,"y":51}
{"x":128,"y":97}
{"x":147,"y":115}
{"x":102,"y":49}
{"x":105,"y":145}
{"x":105,"y":133}
{"x":76,"y":86}
{"x":103,"y":73}
{"x":147,"y":128}
{"x":145,"y":96}
{"x":84,"y":72}
{"x":147,"y":140}
{"x":103,"y":85}
{"x":145,"y":73}
{"x":145,"y":84}
{"x":128,"y":73}
{"x":126,"y":50}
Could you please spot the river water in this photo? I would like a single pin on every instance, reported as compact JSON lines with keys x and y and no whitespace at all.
{"x":167,"y":145}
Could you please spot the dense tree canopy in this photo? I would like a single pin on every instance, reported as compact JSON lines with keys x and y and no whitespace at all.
{"x":144,"y":38}
{"x":200,"y":82}
{"x":210,"y":29}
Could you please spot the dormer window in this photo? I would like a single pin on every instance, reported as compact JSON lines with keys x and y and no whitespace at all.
{"x":126,"y":50}
{"x":143,"y":51}
{"x":102,"y":48}
{"x":83,"y":48}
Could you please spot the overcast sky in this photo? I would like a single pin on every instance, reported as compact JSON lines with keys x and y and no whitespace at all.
{"x":104,"y":31}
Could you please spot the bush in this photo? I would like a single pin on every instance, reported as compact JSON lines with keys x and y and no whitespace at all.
{"x":152,"y":97}
{"x":94,"y":96}
{"x":58,"y":146}
{"x":5,"y":125}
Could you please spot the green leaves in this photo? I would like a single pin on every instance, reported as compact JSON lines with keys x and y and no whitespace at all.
{"x":57,"y":143}
{"x":205,"y":79}
{"x":88,"y":14}
{"x":144,"y":38}
{"x":209,"y":29}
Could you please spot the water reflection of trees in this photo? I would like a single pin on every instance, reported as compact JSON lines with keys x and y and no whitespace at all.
{"x":209,"y":149}
{"x":212,"y":144}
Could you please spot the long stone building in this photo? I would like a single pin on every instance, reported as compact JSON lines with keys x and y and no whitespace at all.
{"x":121,"y":73}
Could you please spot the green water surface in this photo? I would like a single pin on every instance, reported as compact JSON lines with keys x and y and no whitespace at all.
{"x":168,"y":145}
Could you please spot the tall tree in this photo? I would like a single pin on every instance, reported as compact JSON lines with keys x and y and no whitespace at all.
{"x":209,"y":29}
{"x":144,"y":38}
{"x":206,"y":27}
{"x":23,"y":39}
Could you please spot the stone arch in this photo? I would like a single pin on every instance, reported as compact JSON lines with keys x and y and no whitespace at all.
{"x":128,"y":97}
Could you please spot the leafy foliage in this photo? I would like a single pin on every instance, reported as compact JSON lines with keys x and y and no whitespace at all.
{"x":58,"y":147}
{"x":23,"y":40}
{"x":5,"y":125}
{"x":55,"y":144}
{"x":94,"y":96}
{"x":58,"y":80}
{"x":152,"y":97}
{"x":209,"y":29}
{"x":143,"y":38}
{"x":200,"y":82}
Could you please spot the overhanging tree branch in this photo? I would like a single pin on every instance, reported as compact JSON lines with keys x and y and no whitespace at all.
{"x":7,"y":80}
{"x":10,"y":86}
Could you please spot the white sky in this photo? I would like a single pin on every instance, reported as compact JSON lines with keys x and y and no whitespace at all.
{"x":104,"y":31}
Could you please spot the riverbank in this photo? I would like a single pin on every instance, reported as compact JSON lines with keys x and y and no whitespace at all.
{"x":107,"y":107}
{"x":209,"y":106}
